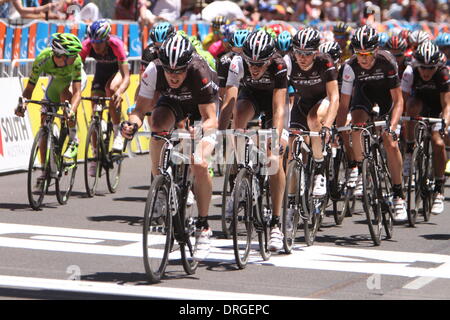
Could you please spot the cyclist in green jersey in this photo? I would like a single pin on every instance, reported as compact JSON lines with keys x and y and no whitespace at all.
{"x":64,"y":66}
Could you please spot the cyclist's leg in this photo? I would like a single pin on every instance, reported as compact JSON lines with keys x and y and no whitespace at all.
{"x":315,"y":118}
{"x":439,"y":163}
{"x":111,"y":87}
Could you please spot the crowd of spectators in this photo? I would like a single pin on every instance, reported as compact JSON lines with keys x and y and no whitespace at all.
{"x":148,"y":12}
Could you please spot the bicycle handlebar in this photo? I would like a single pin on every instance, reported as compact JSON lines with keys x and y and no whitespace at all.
{"x":426,"y":119}
{"x":96,"y":98}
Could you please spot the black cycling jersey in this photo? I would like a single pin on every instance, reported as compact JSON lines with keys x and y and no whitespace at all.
{"x":429,"y":92}
{"x":199,"y":87}
{"x":371,"y":86}
{"x":258,"y":91}
{"x":310,"y":85}
{"x":222,"y":67}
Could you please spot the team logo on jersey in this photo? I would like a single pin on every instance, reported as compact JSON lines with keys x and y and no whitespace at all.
{"x":205,"y":81}
{"x":280,"y":66}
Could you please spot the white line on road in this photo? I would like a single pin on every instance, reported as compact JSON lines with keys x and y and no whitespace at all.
{"x":127,"y":290}
{"x":331,"y":258}
{"x":419,"y":283}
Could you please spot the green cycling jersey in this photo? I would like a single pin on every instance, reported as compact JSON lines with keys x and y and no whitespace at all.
{"x":61,"y":77}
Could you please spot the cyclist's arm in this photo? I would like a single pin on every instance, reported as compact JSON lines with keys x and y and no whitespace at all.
{"x":278,"y":107}
{"x":143,"y":105}
{"x":76,"y":95}
{"x":333,"y":96}
{"x":226,"y":109}
{"x":445,"y":103}
{"x":348,"y":77}
{"x":406,"y":84}
{"x":124,"y":69}
{"x":235,"y":74}
{"x":28,"y":92}
{"x":209,"y":117}
{"x":397,"y":109}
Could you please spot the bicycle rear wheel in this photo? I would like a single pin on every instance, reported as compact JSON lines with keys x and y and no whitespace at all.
{"x":371,"y":203}
{"x":157,"y":232}
{"x":92,"y":159}
{"x":242,"y":225}
{"x":427,"y":185}
{"x":67,"y":169}
{"x":38,"y":171}
{"x":115,"y":160}
{"x":291,"y":204}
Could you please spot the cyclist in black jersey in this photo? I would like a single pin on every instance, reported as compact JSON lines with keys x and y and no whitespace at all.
{"x":426,"y":88}
{"x":260,"y":78}
{"x":181,"y":84}
{"x":314,"y":77}
{"x":236,"y":41}
{"x":370,"y":77}
{"x":397,"y":46}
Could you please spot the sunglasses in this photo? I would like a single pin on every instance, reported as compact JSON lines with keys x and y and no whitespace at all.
{"x":174,"y":71}
{"x":59,"y":56}
{"x":306,"y":53}
{"x":365,"y":53}
{"x":427,"y":67}
{"x":340,"y":36}
{"x":258,"y":64}
{"x":97,"y":41}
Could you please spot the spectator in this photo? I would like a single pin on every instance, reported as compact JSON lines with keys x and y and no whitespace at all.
{"x":29,"y":9}
{"x":194,"y":12}
{"x":415,"y":11}
{"x":169,"y":10}
{"x":77,"y":10}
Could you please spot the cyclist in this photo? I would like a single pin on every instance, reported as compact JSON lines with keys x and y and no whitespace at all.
{"x":112,"y":72}
{"x":314,"y":77}
{"x":397,"y":46}
{"x":426,"y":88}
{"x":284,"y":47}
{"x":370,"y":77}
{"x":259,"y":75}
{"x":341,"y":33}
{"x":181,"y":84}
{"x":216,"y":34}
{"x":236,"y":41}
{"x":443,"y":42}
{"x":415,"y":38}
{"x":65,"y":68}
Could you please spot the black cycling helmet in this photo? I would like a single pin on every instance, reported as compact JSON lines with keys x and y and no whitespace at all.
{"x":333,"y":49}
{"x":428,"y":54}
{"x":176,"y":52}
{"x":307,"y":39}
{"x":258,"y":46}
{"x":365,"y":38}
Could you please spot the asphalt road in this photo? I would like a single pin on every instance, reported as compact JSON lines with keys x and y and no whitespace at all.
{"x":91,"y":248}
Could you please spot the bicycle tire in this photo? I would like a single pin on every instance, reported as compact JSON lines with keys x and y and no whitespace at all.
{"x":90,"y":157}
{"x":265,"y":218}
{"x":227,"y":188}
{"x":371,"y":203}
{"x":290,"y":221}
{"x":427,"y":191}
{"x":34,"y":168}
{"x":387,"y":207}
{"x":157,"y":231}
{"x":114,"y":160}
{"x":185,"y":223}
{"x":338,"y":186}
{"x":67,"y":169}
{"x":242,"y":215}
{"x":315,"y":207}
{"x":414,"y":187}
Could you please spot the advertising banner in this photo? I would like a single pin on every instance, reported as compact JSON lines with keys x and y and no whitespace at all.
{"x":16,"y":136}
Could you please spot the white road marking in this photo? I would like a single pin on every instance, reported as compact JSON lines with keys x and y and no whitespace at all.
{"x":331,"y":258}
{"x":129,"y":290}
{"x":419,"y":283}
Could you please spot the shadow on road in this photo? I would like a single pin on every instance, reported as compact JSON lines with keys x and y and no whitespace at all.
{"x":436,"y":236}
{"x":132,"y":221}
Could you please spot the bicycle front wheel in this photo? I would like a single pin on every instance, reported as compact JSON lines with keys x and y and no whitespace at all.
{"x":292,"y":204}
{"x":157,"y":232}
{"x":92,"y":159}
{"x":338,"y":186}
{"x":115,"y":160}
{"x":371,"y":203}
{"x":242,"y":227}
{"x":227,"y":201}
{"x":67,"y":169}
{"x":38,"y":170}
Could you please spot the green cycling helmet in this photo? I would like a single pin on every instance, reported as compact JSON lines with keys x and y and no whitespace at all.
{"x":66,"y":44}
